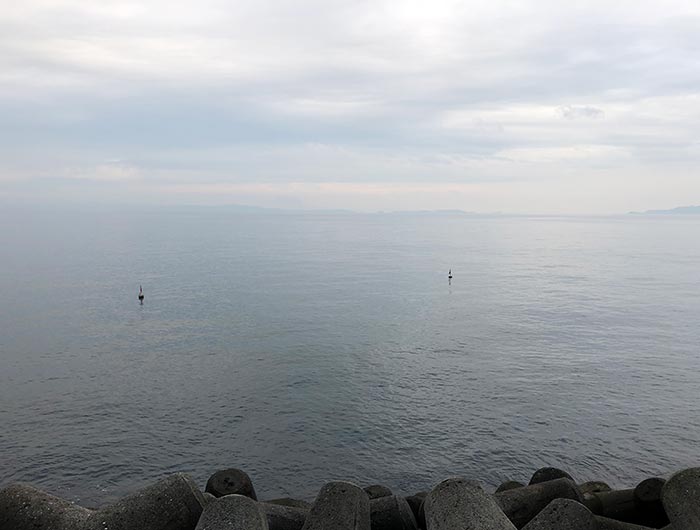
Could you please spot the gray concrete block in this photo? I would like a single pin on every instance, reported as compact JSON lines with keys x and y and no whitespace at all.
{"x":545,"y":474}
{"x":415,"y":502}
{"x":615,"y":504}
{"x":647,"y":500}
{"x":232,"y":512}
{"x":521,"y":505}
{"x":283,"y":517}
{"x":339,"y":506}
{"x":230,"y":482}
{"x":649,"y":490}
{"x":421,"y":515}
{"x":563,"y":514}
{"x":509,"y":485}
{"x":611,"y":524}
{"x":593,"y":486}
{"x":23,"y":507}
{"x":460,"y":504}
{"x":174,"y":503}
{"x":681,"y":499}
{"x":391,"y":513}
{"x":376,"y":491}
{"x":288,"y":501}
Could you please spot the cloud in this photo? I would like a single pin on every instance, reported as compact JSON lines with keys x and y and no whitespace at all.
{"x":571,"y":112}
{"x":576,"y":154}
{"x":370,"y":93}
{"x":108,"y":172}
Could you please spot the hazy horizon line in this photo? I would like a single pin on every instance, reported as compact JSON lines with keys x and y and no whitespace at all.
{"x":242,"y":208}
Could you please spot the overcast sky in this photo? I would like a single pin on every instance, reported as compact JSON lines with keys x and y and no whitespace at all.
{"x":514,"y":106}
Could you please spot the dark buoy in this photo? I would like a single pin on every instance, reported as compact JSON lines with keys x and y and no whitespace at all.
{"x":449,"y":276}
{"x":141,"y":297}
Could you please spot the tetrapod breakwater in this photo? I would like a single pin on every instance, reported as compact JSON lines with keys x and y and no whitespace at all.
{"x":551,"y":500}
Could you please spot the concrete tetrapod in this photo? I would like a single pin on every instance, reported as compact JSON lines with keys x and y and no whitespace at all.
{"x":509,"y":485}
{"x":232,"y":512}
{"x":545,"y":474}
{"x":339,"y":506}
{"x":391,"y":513}
{"x":421,"y":514}
{"x":647,"y":500}
{"x":288,"y":501}
{"x":593,"y":486}
{"x":681,"y":499}
{"x":460,"y":504}
{"x":614,"y":504}
{"x":613,"y":524}
{"x":415,"y":502}
{"x":377,"y":491}
{"x":230,"y":482}
{"x":521,"y":505}
{"x":280,"y":517}
{"x":173,"y":503}
{"x":563,"y":514}
{"x":23,"y":507}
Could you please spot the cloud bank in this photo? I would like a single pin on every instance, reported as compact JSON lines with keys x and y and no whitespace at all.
{"x":527,"y":106}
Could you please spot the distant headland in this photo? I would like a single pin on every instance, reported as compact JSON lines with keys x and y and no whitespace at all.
{"x":681,"y":210}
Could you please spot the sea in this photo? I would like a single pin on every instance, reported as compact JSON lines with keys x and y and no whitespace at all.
{"x":313,"y":346}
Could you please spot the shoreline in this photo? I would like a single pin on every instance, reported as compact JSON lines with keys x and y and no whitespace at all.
{"x":551,"y":499}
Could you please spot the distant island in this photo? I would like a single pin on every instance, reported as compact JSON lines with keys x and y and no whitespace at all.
{"x":681,"y":210}
{"x":427,"y":212}
{"x":247,"y":209}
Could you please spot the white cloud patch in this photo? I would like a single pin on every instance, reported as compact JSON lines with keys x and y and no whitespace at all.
{"x":107,"y":172}
{"x":571,"y":112}
{"x":575,"y":154}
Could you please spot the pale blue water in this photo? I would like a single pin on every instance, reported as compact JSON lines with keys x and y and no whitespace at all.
{"x":308,"y":347}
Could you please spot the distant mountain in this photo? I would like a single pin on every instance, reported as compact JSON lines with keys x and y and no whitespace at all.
{"x":681,"y":210}
{"x":427,"y":212}
{"x":246,"y":209}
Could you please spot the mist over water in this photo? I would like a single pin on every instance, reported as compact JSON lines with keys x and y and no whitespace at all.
{"x":303,"y":348}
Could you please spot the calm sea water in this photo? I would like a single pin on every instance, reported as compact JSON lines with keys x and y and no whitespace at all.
{"x":304,"y":348}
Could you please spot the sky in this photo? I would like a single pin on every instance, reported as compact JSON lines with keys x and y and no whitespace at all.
{"x":488,"y":106}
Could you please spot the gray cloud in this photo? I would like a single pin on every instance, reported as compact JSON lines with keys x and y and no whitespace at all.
{"x":296,"y":94}
{"x":571,"y":112}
